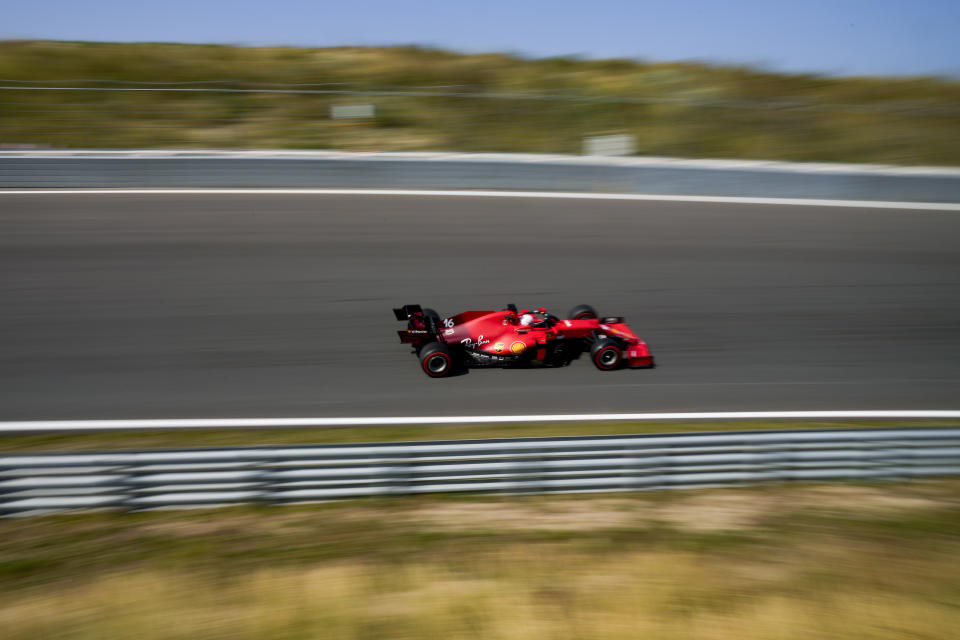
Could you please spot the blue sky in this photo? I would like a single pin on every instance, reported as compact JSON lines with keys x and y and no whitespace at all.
{"x":840,"y":37}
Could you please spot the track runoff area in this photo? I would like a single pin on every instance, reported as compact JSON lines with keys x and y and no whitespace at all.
{"x":748,"y":303}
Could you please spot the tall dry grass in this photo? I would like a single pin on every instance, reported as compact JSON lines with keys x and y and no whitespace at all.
{"x":519,"y":593}
{"x":752,"y":564}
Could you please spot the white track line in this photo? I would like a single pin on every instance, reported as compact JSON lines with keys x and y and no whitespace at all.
{"x":245,"y":423}
{"x":807,"y":202}
{"x":547,"y":159}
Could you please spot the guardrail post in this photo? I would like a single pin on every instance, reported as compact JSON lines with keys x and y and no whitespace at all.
{"x":527,"y":469}
{"x":126,"y":486}
{"x":630,"y":469}
{"x":5,"y":509}
{"x":900,"y":458}
{"x":911,"y":460}
{"x":652,"y":467}
{"x":263,"y":468}
{"x":399,"y":474}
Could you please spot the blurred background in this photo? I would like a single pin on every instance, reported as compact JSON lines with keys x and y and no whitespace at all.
{"x":816,"y":81}
{"x":119,"y":95}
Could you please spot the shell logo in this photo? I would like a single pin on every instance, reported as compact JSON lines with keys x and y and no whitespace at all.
{"x":518,"y":347}
{"x":498,"y":347}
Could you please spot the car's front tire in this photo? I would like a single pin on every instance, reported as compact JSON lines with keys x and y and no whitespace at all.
{"x":436,"y":360}
{"x":606,"y":355}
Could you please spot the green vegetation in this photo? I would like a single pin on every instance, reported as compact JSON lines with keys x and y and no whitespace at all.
{"x":810,"y":561}
{"x":160,"y":438}
{"x":674,"y":109}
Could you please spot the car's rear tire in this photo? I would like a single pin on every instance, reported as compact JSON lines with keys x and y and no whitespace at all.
{"x":582,"y":312}
{"x":606,"y":355}
{"x":436,"y":360}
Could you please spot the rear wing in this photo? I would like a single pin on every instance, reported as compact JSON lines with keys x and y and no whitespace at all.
{"x":407,"y":310}
{"x":420,"y":330}
{"x":416,"y":337}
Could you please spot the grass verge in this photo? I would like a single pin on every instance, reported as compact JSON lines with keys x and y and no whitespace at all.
{"x":812,"y":561}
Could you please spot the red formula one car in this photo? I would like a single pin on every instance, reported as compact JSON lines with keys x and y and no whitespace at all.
{"x":510,"y":338}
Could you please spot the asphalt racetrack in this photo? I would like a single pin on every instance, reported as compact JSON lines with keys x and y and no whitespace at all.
{"x":181,"y":306}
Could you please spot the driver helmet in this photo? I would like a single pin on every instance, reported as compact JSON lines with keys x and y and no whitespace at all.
{"x":526,"y":319}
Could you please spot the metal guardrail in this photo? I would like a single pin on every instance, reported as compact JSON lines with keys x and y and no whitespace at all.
{"x":132,"y":480}
{"x":664,"y":176}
